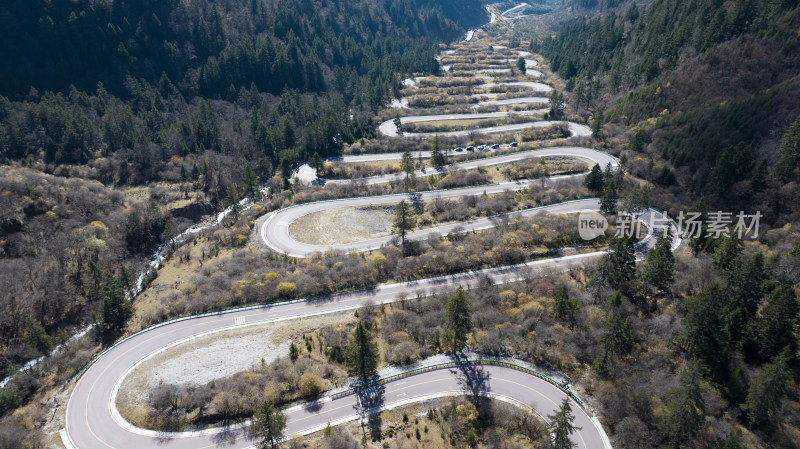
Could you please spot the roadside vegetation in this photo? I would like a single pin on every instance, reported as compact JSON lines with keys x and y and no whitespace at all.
{"x":696,"y":348}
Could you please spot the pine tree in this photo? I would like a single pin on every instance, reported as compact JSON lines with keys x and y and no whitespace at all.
{"x":699,"y":241}
{"x":556,"y":105}
{"x":638,"y":141}
{"x":617,"y":340}
{"x":766,"y":391}
{"x":403,"y":221}
{"x":745,"y":292}
{"x":361,"y":355}
{"x":115,"y":307}
{"x":774,"y":330}
{"x":619,"y":265}
{"x":232,"y":201}
{"x":597,"y":125}
{"x":268,"y":426}
{"x":563,"y":306}
{"x":125,"y":277}
{"x":659,"y":265}
{"x":457,"y":321}
{"x":615,"y":300}
{"x":608,"y":200}
{"x":315,"y":162}
{"x":521,"y":65}
{"x":789,"y":151}
{"x":36,"y":336}
{"x":727,"y":252}
{"x":407,"y":165}
{"x":636,"y":200}
{"x":250,"y":182}
{"x":562,"y":426}
{"x":685,"y":413}
{"x":705,"y":333}
{"x":437,"y":157}
{"x":595,"y":180}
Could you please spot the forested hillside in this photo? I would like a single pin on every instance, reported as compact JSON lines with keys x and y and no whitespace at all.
{"x":702,"y":99}
{"x":122,"y":122}
{"x":149,"y":64}
{"x":710,"y":87}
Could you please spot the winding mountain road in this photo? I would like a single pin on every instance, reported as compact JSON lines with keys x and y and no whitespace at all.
{"x":92,"y":420}
{"x":308,"y":175}
{"x":388,"y":128}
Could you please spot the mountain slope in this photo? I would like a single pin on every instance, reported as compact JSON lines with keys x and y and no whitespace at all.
{"x":704,"y":82}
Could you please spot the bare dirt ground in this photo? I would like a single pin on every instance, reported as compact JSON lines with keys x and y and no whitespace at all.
{"x":210,"y":357}
{"x":343,"y":225}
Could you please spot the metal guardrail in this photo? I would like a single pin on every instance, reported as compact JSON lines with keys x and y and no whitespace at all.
{"x":457,"y":364}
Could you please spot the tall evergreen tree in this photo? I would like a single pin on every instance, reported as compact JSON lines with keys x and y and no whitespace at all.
{"x":726,"y":253}
{"x":36,"y":336}
{"x":457,"y":321}
{"x":361,"y":355}
{"x":597,"y":125}
{"x":437,"y":157}
{"x":403,"y":221}
{"x":789,"y":151}
{"x":698,"y":240}
{"x":638,"y":141}
{"x":619,"y":265}
{"x":745,"y":292}
{"x":608,"y":199}
{"x":685,"y":413}
{"x":595,"y":180}
{"x":250,"y":182}
{"x":521,"y":65}
{"x":268,"y":426}
{"x":774,"y":331}
{"x":315,"y":162}
{"x":115,"y":306}
{"x":563,"y":306}
{"x":407,"y":165}
{"x":557,"y":105}
{"x":766,"y":392}
{"x":562,"y":425}
{"x":705,"y":333}
{"x":617,"y":340}
{"x":659,"y":265}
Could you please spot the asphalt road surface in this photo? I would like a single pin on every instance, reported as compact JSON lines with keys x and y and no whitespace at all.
{"x":92,"y":421}
{"x":308,"y":175}
{"x":388,"y":128}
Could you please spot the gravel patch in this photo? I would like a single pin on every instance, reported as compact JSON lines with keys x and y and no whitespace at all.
{"x":343,"y":225}
{"x":198,"y":362}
